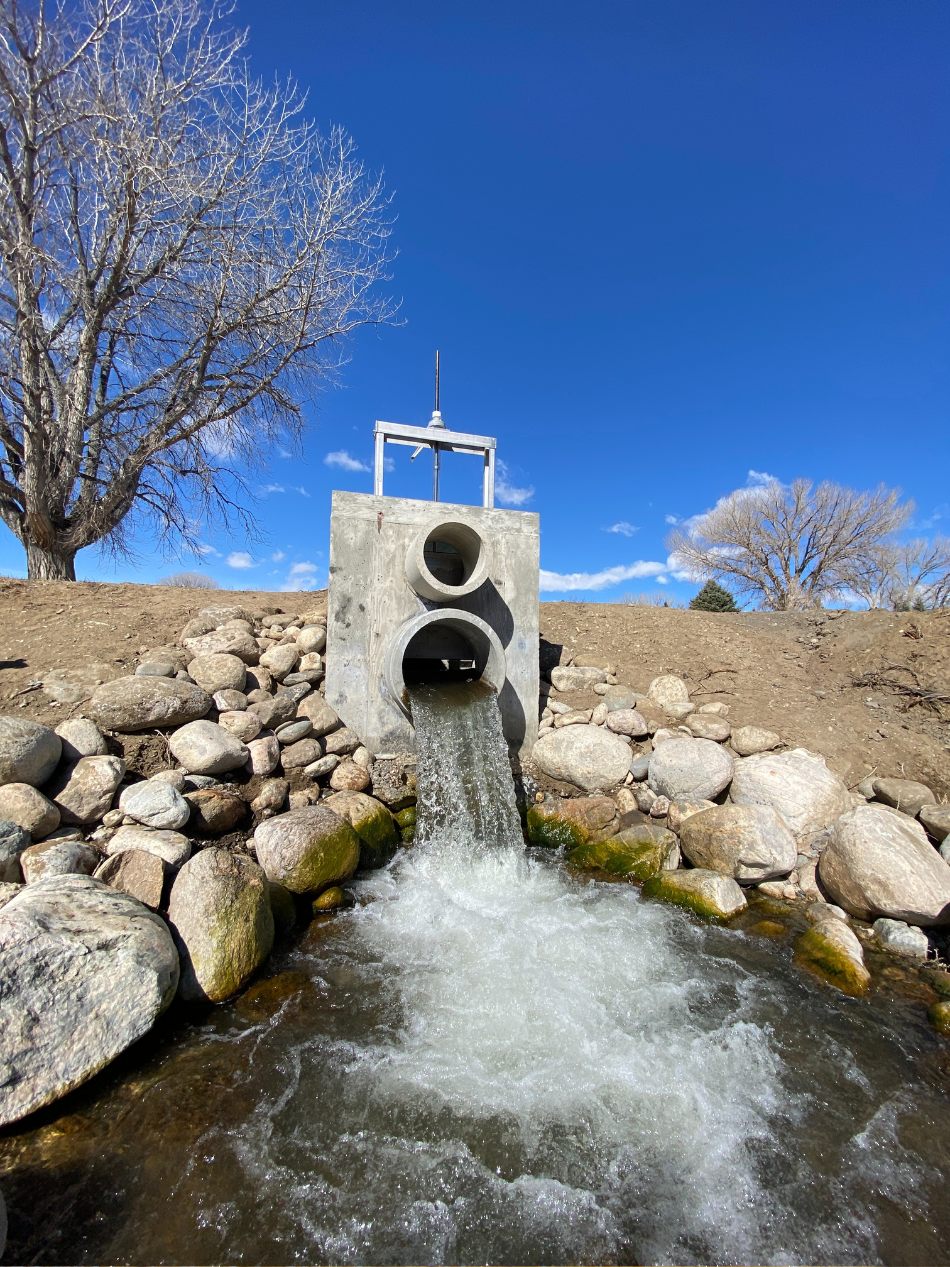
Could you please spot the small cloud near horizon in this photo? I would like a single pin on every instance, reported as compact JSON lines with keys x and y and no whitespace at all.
{"x":344,"y":461}
{"x":240,"y":559}
{"x":302,"y":576}
{"x":565,"y":582}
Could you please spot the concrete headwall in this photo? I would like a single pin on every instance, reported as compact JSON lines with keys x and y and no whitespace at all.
{"x":375,"y":548}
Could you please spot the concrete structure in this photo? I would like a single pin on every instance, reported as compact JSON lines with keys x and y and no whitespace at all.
{"x":414,"y":581}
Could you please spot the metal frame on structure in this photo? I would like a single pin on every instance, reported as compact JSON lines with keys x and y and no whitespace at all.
{"x":449,"y":441}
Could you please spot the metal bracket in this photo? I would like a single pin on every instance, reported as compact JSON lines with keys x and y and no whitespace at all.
{"x":441,"y":441}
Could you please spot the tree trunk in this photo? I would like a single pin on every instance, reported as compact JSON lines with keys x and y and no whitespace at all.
{"x":46,"y":565}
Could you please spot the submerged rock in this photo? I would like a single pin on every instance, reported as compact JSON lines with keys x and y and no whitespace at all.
{"x":29,"y":752}
{"x":748,"y":842}
{"x":707,"y":894}
{"x":636,"y":852}
{"x":571,"y":821}
{"x":799,"y":787}
{"x":831,"y":950}
{"x":307,"y":849}
{"x":690,"y":768}
{"x":371,"y":821}
{"x":586,"y":756}
{"x":84,"y":972}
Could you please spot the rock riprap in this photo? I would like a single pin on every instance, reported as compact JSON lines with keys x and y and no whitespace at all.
{"x":140,"y":874}
{"x":832,"y":950}
{"x":232,"y":642}
{"x":29,"y":752}
{"x":936,"y":818}
{"x":636,"y":853}
{"x":204,"y":747}
{"x":708,"y":894}
{"x":748,"y":740}
{"x":57,"y":857}
{"x":139,"y":703}
{"x":81,"y":737}
{"x":22,"y":804}
{"x":904,"y":794}
{"x":83,"y":792}
{"x":798,"y":785}
{"x":220,"y":916}
{"x":307,"y":849}
{"x":574,"y":678}
{"x":748,"y":842}
{"x":668,"y":689}
{"x":155,"y":803}
{"x":588,"y":757}
{"x":371,"y":821}
{"x":218,"y":672}
{"x":690,"y":768}
{"x":215,"y":810}
{"x":85,"y":971}
{"x":571,"y":821}
{"x":171,"y":846}
{"x":626,"y":721}
{"x":879,"y":863}
{"x":13,"y":840}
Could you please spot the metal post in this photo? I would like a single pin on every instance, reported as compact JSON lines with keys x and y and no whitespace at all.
{"x":379,"y":464}
{"x":488,"y":493}
{"x":436,"y":460}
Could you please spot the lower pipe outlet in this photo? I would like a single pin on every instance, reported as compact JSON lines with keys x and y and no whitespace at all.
{"x":436,"y":637}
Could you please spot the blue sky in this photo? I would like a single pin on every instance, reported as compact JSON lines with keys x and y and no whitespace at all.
{"x":661,"y":246}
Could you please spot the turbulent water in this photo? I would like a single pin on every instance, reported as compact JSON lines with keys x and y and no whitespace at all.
{"x":489,"y":1061}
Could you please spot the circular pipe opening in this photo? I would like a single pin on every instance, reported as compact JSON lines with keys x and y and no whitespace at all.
{"x":447,"y":560}
{"x":447,"y":639}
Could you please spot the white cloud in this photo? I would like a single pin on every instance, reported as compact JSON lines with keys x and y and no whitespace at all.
{"x":624,"y":529}
{"x":505,"y":491}
{"x":278,"y":556}
{"x":389,"y":464}
{"x":204,"y":550}
{"x":240,"y":559}
{"x":302,"y":491}
{"x":344,"y":461}
{"x":302,"y":576}
{"x":759,"y":479}
{"x":564,"y":582}
{"x":303,"y":569}
{"x":271,"y":488}
{"x":671,"y":519}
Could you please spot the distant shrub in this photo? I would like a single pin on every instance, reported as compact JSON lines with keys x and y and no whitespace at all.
{"x":190,"y":581}
{"x":657,"y":599}
{"x":713,"y":597}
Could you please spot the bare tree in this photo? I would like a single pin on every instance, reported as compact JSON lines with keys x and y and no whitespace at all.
{"x":181,"y":254}
{"x":788,"y":547}
{"x":190,"y":581}
{"x":897,"y":574}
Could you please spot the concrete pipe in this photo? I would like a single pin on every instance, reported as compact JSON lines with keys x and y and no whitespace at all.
{"x":445,"y":634}
{"x":447,"y":560}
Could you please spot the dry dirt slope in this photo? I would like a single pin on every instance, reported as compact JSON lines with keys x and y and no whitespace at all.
{"x":824,"y":680}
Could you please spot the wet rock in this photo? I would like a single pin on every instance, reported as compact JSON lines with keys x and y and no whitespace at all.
{"x":905,"y":795}
{"x":571,"y":821}
{"x":80,"y":738}
{"x":878,"y":863}
{"x":220,"y":916}
{"x":322,"y":716}
{"x":22,"y":804}
{"x":683,"y":808}
{"x":307,"y":850}
{"x":936,"y":818}
{"x":371,"y":821}
{"x":349,"y":777}
{"x":140,"y":874}
{"x":901,"y":938}
{"x":748,"y":740}
{"x":13,"y":840}
{"x":311,"y":639}
{"x":229,"y":701}
{"x":139,"y":703}
{"x":171,"y":846}
{"x":573,"y":678}
{"x":263,"y":755}
{"x":587,"y":756}
{"x":668,"y":689}
{"x":280,"y":660}
{"x":155,"y":803}
{"x":203,"y":747}
{"x":233,"y":642}
{"x":275,"y":710}
{"x":799,"y":787}
{"x":637,"y":852}
{"x":291,"y":731}
{"x":831,"y":950}
{"x":57,"y":857}
{"x":405,"y":820}
{"x":283,"y":908}
{"x":219,"y":672}
{"x":215,"y":810}
{"x":272,"y":795}
{"x":939,"y":1016}
{"x":707,"y":894}
{"x":83,"y":793}
{"x":702,"y":726}
{"x":627,"y":721}
{"x":297,"y":755}
{"x":343,"y":742}
{"x":29,"y":752}
{"x":690,"y":768}
{"x":85,"y":971}
{"x":748,"y":842}
{"x":242,"y":725}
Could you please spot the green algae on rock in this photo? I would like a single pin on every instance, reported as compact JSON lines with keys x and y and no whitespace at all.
{"x":406,"y":822}
{"x":308,"y":849}
{"x":372,"y":822}
{"x":570,"y":822}
{"x":832,"y":951}
{"x":939,"y":1016}
{"x":637,"y":852}
{"x":708,"y":894}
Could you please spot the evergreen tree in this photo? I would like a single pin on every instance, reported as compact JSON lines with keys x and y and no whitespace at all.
{"x":713,"y":598}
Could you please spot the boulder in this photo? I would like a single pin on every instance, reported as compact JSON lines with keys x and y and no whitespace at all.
{"x":668,"y":689}
{"x":215,"y":810}
{"x":322,"y":716}
{"x":72,"y":686}
{"x":80,"y":738}
{"x":626,"y":721}
{"x":218,"y":614}
{"x":233,"y":642}
{"x":139,"y":703}
{"x":708,"y":894}
{"x":748,"y":740}
{"x":833,"y":952}
{"x":297,"y":755}
{"x":311,"y":639}
{"x":317,"y":769}
{"x":155,"y":803}
{"x":13,"y":840}
{"x":348,"y":776}
{"x":85,"y":971}
{"x":140,"y":874}
{"x":307,"y":849}
{"x":799,"y":787}
{"x":617,"y":697}
{"x":636,"y":853}
{"x":171,"y":846}
{"x":371,"y":821}
{"x":640,"y":766}
{"x":291,"y":731}
{"x":258,"y":679}
{"x":22,"y":804}
{"x":275,"y":710}
{"x":229,"y":701}
{"x":283,"y":908}
{"x":29,"y":752}
{"x":703,"y":726}
{"x":683,"y":808}
{"x":203,"y":747}
{"x":574,"y":678}
{"x":748,"y":842}
{"x":263,"y":755}
{"x":878,"y":863}
{"x":902,"y":938}
{"x":936,"y":818}
{"x":220,"y":917}
{"x":8,"y":891}
{"x":272,"y":795}
{"x":218,"y":672}
{"x":83,"y":792}
{"x":57,"y":857}
{"x":280,"y":660}
{"x":242,"y":725}
{"x":589,"y":757}
{"x":682,"y":767}
{"x":342,"y":743}
{"x":571,"y":821}
{"x":903,"y":794}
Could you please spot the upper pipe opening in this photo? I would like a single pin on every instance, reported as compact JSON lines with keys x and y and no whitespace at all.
{"x":447,"y":560}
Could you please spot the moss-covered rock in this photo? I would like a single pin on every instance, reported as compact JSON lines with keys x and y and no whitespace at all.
{"x":571,"y":821}
{"x":708,"y":894}
{"x":406,"y":822}
{"x":329,"y":900}
{"x":308,"y":849}
{"x":637,"y":852}
{"x":939,"y":1015}
{"x":371,"y":821}
{"x":832,"y":951}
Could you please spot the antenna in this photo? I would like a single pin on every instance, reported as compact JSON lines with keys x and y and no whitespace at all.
{"x":437,"y":380}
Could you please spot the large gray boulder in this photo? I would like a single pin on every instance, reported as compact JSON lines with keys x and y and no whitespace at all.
{"x":81,"y":738}
{"x":29,"y":752}
{"x":307,"y":850}
{"x":799,"y":787}
{"x":225,"y":642}
{"x":575,"y":678}
{"x":83,"y":792}
{"x":322,"y":716}
{"x":218,"y":672}
{"x":690,"y":768}
{"x":588,"y":757}
{"x":748,"y":842}
{"x":203,"y":747}
{"x":220,"y":916}
{"x":138,"y":703}
{"x":22,"y":804}
{"x":879,"y":863}
{"x":155,"y":803}
{"x":171,"y":846}
{"x":85,"y":971}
